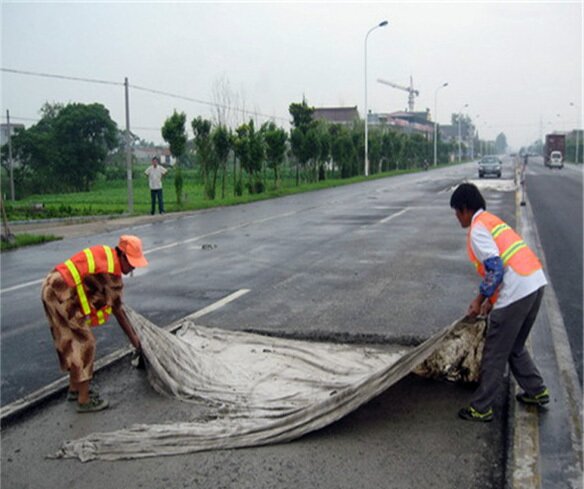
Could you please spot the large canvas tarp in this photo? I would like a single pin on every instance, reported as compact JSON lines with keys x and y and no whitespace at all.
{"x":257,"y":390}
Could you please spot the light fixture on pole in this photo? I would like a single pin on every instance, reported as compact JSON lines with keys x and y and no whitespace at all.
{"x":381,"y":24}
{"x":459,"y":136}
{"x":445,"y":84}
{"x":572,"y":104}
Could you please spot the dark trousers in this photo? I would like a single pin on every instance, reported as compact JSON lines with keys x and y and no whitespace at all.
{"x":507,"y":333}
{"x":156,"y":194}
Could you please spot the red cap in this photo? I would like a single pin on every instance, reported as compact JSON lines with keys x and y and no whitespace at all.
{"x":132,"y":247}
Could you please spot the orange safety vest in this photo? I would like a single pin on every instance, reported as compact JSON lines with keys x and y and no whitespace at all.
{"x":512,"y":249}
{"x":97,"y":259}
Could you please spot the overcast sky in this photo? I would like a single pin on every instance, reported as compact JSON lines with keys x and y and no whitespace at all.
{"x":518,"y":66}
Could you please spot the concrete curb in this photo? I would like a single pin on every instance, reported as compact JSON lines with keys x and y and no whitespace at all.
{"x":523,"y":461}
{"x":20,"y":406}
{"x":523,"y":464}
{"x":569,"y":384}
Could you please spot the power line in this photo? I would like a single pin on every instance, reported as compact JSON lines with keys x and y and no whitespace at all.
{"x":24,"y":119}
{"x":204,"y":102}
{"x":144,"y":89}
{"x":62,"y":77}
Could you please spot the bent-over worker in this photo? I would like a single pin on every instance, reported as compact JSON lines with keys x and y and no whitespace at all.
{"x":81,"y":293}
{"x":510,"y":293}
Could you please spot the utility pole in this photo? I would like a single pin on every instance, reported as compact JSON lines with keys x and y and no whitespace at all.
{"x":10,"y":163}
{"x":6,"y":236}
{"x":445,"y":84}
{"x":459,"y":134}
{"x":128,"y":150}
{"x":577,"y":131}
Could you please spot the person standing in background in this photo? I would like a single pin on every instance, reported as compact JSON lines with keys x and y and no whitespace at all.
{"x":155,"y":172}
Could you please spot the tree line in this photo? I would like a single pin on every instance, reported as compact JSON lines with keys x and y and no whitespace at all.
{"x":75,"y":144}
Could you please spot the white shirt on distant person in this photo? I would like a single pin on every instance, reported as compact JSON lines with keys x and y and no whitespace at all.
{"x":155,"y":174}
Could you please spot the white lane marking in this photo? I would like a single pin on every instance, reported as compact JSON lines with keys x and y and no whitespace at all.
{"x":177,"y":243}
{"x":61,"y":383}
{"x":217,"y":305}
{"x":21,"y":286}
{"x":219,"y":231}
{"x":390,"y":217}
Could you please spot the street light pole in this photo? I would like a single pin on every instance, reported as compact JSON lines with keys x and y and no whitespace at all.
{"x":459,"y":136}
{"x":436,"y":122}
{"x":381,"y":24}
{"x":128,"y":149}
{"x":472,"y":139}
{"x":10,"y":162}
{"x":577,"y":130}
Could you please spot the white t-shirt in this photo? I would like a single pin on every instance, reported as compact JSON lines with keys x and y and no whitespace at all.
{"x":155,"y":176}
{"x":514,"y":286}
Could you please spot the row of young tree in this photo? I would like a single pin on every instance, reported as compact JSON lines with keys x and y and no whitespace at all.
{"x":74,"y":144}
{"x":314,"y":150}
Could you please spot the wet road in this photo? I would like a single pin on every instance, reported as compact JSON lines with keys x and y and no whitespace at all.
{"x":342,"y":263}
{"x":379,"y":261}
{"x":556,"y":200}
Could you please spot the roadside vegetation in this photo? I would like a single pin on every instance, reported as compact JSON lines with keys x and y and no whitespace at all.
{"x":73,"y":161}
{"x":110,"y":197}
{"x":21,"y":240}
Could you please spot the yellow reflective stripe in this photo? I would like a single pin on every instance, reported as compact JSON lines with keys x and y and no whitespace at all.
{"x":497,"y":230}
{"x":90,"y":260}
{"x":83,"y":299}
{"x":108,"y":309}
{"x":74,"y":272}
{"x":80,"y":291}
{"x":110,"y":259}
{"x":100,"y":317}
{"x":514,"y":248}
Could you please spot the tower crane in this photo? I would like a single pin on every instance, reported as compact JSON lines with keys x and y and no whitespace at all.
{"x":411,"y":91}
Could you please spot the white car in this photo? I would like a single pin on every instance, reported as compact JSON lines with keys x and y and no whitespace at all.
{"x":556,"y":160}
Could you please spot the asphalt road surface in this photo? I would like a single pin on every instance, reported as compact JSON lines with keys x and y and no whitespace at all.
{"x":556,"y":199}
{"x":379,"y":261}
{"x":374,"y":261}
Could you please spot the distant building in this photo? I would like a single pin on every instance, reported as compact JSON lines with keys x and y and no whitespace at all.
{"x":146,"y":153}
{"x":448,"y":133}
{"x":407,"y":122}
{"x":4,"y":131}
{"x":337,"y":115}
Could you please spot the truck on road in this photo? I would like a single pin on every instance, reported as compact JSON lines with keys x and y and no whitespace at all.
{"x":556,"y":144}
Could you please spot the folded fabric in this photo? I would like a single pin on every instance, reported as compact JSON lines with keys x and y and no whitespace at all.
{"x":263,"y":390}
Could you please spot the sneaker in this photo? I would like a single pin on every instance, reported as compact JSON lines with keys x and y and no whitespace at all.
{"x":74,"y":395}
{"x":471,"y":414}
{"x":539,"y":399}
{"x":94,"y":404}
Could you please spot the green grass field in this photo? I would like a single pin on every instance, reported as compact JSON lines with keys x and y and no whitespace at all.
{"x":111,"y":197}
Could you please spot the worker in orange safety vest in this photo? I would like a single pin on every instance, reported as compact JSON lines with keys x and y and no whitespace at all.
{"x":510,"y":295}
{"x":82,"y":293}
